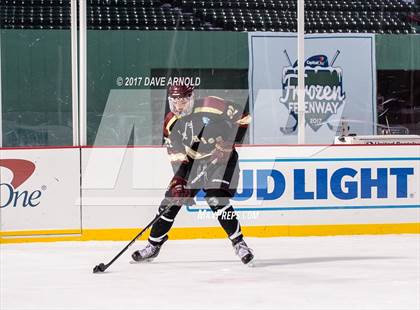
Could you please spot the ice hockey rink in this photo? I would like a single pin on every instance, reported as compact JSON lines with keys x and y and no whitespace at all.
{"x":345,"y":272}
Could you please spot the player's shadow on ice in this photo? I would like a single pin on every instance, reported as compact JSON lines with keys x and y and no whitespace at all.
{"x":260,"y":262}
{"x":311,"y":260}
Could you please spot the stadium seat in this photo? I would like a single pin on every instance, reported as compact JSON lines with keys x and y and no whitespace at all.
{"x":379,"y":16}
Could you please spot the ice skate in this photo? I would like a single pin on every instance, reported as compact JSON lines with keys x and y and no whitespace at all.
{"x":243,"y":251}
{"x":147,"y":254}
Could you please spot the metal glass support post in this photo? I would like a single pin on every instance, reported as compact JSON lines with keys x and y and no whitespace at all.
{"x":301,"y":71}
{"x":74,"y":73}
{"x":82,"y":73}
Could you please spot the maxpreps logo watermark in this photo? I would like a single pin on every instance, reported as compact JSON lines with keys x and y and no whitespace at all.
{"x":324,"y":92}
{"x":11,"y":193}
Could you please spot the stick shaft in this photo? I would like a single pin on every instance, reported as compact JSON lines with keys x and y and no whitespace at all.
{"x":137,"y":236}
{"x":153,"y":221}
{"x":287,"y":56}
{"x":334,"y":58}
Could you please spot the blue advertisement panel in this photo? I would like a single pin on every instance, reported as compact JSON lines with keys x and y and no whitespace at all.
{"x":340,"y":86}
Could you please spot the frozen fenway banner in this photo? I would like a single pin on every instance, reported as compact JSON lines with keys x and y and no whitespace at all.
{"x":339,"y":85}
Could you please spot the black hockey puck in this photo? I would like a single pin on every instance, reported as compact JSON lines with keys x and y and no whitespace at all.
{"x":99,"y":268}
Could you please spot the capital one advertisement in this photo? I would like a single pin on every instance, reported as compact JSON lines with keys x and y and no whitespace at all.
{"x":340,"y":86}
{"x":39,"y":191}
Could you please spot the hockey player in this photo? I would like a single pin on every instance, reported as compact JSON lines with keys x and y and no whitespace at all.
{"x":200,"y":135}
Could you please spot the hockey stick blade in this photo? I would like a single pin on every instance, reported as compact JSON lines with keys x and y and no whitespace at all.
{"x":102,"y":267}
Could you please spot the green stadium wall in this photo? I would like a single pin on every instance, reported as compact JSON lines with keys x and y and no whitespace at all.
{"x":36,"y":70}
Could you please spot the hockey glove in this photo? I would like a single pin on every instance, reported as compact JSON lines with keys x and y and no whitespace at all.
{"x":177,"y":188}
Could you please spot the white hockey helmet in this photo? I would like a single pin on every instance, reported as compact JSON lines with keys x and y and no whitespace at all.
{"x":181,"y":99}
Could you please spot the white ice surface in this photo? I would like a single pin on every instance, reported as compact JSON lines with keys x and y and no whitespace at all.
{"x":352,"y":272}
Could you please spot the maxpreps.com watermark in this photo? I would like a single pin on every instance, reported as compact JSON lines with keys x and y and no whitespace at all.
{"x":204,"y":214}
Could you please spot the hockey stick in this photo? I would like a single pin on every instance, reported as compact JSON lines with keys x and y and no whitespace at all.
{"x":102,"y":267}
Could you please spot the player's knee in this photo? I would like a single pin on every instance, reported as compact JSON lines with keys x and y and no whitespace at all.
{"x":219,"y":204}
{"x":217,"y":197}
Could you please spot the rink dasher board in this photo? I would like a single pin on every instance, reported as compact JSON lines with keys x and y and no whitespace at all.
{"x":283,"y":190}
{"x":46,"y":200}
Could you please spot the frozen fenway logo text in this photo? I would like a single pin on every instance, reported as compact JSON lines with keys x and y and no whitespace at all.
{"x":324,"y":93}
{"x":11,"y":193}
